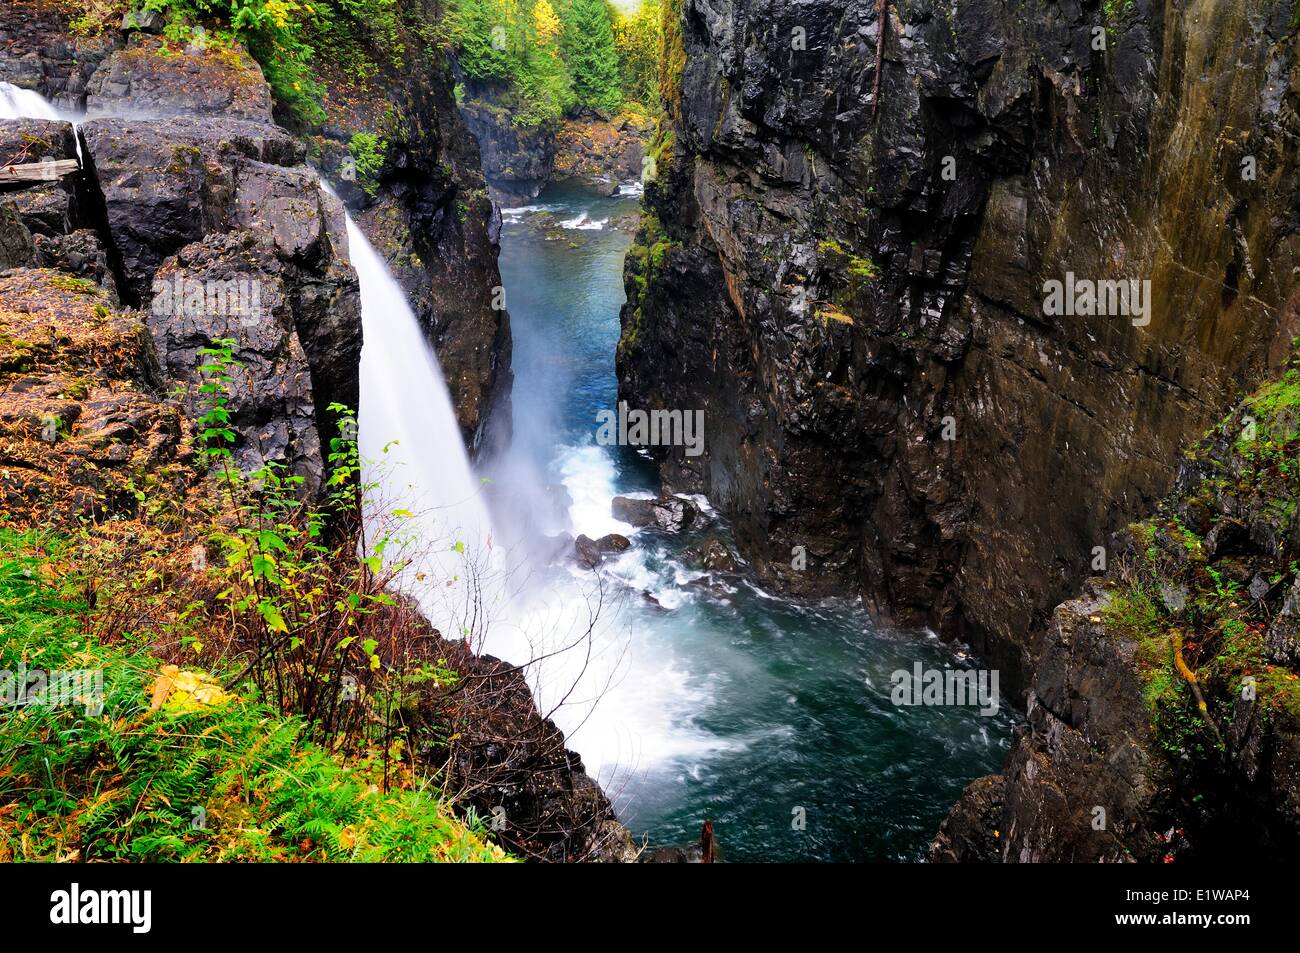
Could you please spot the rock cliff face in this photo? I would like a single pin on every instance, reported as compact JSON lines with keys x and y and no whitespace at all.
{"x":852,"y":287}
{"x":1164,"y":716}
{"x":519,"y":160}
{"x":208,"y":195}
{"x":602,"y":153}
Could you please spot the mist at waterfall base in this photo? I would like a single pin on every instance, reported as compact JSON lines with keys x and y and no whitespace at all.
{"x":728,"y":703}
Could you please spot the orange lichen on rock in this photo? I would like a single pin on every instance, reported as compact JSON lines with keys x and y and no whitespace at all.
{"x":82,"y":424}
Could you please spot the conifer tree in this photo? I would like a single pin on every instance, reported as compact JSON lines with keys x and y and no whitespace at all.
{"x":588,"y":44}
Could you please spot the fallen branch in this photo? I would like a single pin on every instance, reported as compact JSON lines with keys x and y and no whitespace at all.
{"x":1190,"y":677}
{"x":49,"y":171}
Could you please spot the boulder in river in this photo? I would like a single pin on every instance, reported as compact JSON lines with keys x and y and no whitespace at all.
{"x":668,"y":513}
{"x":592,"y":552}
{"x":705,"y":852}
{"x":554,"y":548}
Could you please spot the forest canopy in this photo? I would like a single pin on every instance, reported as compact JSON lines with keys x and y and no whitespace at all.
{"x":559,"y":57}
{"x":544,"y":58}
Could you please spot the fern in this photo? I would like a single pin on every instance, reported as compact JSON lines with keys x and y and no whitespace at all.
{"x":236,"y":781}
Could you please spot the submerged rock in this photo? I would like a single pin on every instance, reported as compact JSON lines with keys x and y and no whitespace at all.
{"x":702,"y":852}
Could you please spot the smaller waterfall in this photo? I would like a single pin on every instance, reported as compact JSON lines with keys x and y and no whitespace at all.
{"x":18,"y":103}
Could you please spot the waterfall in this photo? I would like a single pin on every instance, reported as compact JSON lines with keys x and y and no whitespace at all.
{"x":422,"y":491}
{"x":567,"y":636}
{"x":18,"y":103}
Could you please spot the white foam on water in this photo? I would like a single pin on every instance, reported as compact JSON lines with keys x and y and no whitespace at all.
{"x":583,"y":223}
{"x":519,"y":211}
{"x":702,"y":503}
{"x":587,"y":472}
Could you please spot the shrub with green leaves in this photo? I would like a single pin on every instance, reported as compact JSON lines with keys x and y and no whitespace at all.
{"x":368,"y":152}
{"x":297,"y":594}
{"x":137,"y":778}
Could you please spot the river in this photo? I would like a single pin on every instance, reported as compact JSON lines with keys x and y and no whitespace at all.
{"x":772,"y":717}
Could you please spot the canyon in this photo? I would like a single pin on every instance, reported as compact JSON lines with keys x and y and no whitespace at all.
{"x":836,"y":265}
{"x":856,"y":266}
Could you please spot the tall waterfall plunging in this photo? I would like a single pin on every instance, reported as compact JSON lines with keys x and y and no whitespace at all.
{"x":412,"y":450}
{"x":619,"y":706}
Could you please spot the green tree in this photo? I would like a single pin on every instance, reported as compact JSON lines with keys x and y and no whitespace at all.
{"x":637,"y":37}
{"x":544,"y":83}
{"x":480,"y":31}
{"x":589,"y":50}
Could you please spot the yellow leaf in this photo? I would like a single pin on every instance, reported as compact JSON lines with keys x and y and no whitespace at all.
{"x":162,"y":687}
{"x":545,"y":21}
